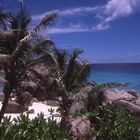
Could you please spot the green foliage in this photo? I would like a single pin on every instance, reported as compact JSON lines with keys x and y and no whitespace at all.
{"x":117,"y":125}
{"x":36,"y":129}
{"x":110,"y":123}
{"x":16,"y":43}
{"x":72,"y":72}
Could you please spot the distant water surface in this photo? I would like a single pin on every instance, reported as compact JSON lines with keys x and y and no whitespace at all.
{"x":104,"y":73}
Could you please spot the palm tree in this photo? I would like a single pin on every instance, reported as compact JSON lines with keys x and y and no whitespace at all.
{"x":15,"y":48}
{"x":72,"y":72}
{"x":70,"y":75}
{"x":67,"y":72}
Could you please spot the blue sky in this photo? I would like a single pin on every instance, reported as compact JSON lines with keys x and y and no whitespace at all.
{"x":107,"y":30}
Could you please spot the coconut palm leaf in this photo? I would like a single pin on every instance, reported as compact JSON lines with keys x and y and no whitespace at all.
{"x":6,"y":42}
{"x":47,"y":57}
{"x":46,"y":20}
{"x":61,"y":55}
{"x":3,"y":81}
{"x":83,"y":72}
{"x":22,"y":50}
{"x":25,"y":19}
{"x":5,"y":60}
{"x":43,"y":45}
{"x":20,"y":20}
{"x":69,"y":76}
{"x":3,"y":16}
{"x":12,"y":19}
{"x":39,"y":76}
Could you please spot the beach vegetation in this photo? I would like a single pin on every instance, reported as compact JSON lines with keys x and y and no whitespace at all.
{"x":109,"y":122}
{"x":16,"y":49}
{"x":22,"y":128}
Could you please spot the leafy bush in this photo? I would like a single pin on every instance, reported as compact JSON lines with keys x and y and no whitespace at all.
{"x":115,"y":124}
{"x":36,"y":129}
{"x":110,"y":123}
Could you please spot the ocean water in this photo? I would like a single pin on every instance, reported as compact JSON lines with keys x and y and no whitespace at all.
{"x":105,"y":73}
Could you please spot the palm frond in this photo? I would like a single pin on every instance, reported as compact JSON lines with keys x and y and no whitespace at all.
{"x":71,"y":67}
{"x":12,"y":19}
{"x":47,"y":58}
{"x":37,"y":74}
{"x":3,"y":16}
{"x":83,"y":72}
{"x":24,"y":18}
{"x":3,"y":81}
{"x":7,"y":42}
{"x":20,"y":45}
{"x":43,"y":45}
{"x":22,"y":50}
{"x":5,"y":60}
{"x":61,"y":55}
{"x":46,"y":20}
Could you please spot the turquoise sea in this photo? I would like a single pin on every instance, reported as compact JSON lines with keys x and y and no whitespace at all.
{"x":104,"y":73}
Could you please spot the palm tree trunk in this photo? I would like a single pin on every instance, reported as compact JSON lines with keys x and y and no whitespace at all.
{"x":7,"y":92}
{"x":5,"y":102}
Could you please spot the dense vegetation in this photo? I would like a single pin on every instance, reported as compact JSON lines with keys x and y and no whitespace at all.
{"x":35,"y":129}
{"x":108,"y":123}
{"x":30,"y":57}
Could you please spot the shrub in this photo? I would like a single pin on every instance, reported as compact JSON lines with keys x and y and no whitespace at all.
{"x":115,"y":124}
{"x":36,"y":129}
{"x":110,"y":123}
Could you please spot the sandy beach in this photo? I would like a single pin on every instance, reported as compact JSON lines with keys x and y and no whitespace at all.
{"x":38,"y":107}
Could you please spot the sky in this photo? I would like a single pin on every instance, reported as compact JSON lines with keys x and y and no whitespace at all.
{"x":107,"y":30}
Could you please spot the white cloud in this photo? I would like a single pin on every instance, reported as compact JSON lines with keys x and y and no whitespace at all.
{"x":71,"y":11}
{"x":104,"y":14}
{"x":70,"y":29}
{"x":101,"y":26}
{"x":114,"y":10}
{"x":78,"y":10}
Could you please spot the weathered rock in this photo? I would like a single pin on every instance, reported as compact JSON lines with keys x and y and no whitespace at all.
{"x":78,"y":105}
{"x":53,"y":103}
{"x":80,"y":127}
{"x":13,"y":107}
{"x":125,"y":100}
{"x":112,"y":95}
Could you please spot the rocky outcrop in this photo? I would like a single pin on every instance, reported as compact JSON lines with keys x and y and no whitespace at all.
{"x":123,"y":99}
{"x":78,"y":105}
{"x":80,"y":127}
{"x":13,"y":107}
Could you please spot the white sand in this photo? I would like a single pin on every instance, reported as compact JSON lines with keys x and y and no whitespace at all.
{"x":38,"y":107}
